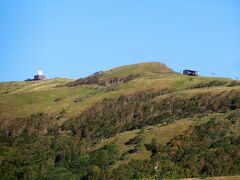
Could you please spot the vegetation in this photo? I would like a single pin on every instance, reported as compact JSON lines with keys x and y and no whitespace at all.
{"x":206,"y":150}
{"x":132,"y":122}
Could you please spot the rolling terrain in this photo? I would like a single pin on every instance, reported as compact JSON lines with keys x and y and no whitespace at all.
{"x":131,"y":122}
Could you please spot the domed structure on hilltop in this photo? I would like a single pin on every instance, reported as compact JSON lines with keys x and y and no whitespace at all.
{"x":39,"y":76}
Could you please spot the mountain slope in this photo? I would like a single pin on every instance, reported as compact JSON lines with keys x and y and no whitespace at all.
{"x":95,"y":126}
{"x":49,"y":96}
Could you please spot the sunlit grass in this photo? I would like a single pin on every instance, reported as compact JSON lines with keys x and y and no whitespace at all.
{"x":18,"y":99}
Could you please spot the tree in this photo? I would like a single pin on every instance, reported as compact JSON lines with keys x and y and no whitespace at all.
{"x":140,"y":144}
{"x":94,"y":172}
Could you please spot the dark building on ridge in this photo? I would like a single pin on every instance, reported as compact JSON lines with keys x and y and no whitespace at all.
{"x":190,"y":72}
{"x":39,"y":77}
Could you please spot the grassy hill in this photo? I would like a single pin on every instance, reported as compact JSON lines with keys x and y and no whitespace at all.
{"x":118,"y":122}
{"x":49,"y":96}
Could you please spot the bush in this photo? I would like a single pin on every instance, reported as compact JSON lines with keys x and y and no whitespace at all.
{"x":77,"y":100}
{"x":58,"y":99}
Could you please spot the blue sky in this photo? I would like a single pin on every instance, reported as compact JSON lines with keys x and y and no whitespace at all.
{"x":75,"y":38}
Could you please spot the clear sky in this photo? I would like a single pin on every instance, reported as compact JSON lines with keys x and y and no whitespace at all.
{"x":74,"y":38}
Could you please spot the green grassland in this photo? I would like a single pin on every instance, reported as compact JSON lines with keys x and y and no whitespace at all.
{"x":142,"y":69}
{"x":19,"y":99}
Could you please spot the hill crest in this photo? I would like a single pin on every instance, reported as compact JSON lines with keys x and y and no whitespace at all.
{"x":122,"y":74}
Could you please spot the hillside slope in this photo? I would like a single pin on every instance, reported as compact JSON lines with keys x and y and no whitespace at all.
{"x":120,"y":123}
{"x":51,"y":96}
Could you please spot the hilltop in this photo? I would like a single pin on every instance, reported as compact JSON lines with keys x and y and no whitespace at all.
{"x":122,"y":74}
{"x":123,"y":123}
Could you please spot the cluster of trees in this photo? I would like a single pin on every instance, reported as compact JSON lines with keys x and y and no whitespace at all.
{"x":35,"y":124}
{"x":210,"y":149}
{"x":97,"y":79}
{"x":206,"y":150}
{"x":29,"y":157}
{"x":112,"y":116}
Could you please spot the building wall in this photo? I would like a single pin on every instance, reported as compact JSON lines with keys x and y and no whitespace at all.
{"x":39,"y":77}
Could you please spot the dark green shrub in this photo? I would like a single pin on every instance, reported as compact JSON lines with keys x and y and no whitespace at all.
{"x":57,"y":99}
